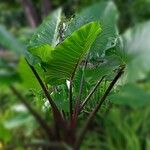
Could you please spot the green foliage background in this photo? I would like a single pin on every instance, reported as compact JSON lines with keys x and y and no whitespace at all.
{"x":123,"y":122}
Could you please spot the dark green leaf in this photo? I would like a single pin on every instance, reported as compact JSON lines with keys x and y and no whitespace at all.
{"x":47,"y":33}
{"x":104,"y":12}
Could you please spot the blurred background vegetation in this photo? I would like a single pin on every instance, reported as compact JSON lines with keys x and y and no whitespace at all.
{"x":121,"y":127}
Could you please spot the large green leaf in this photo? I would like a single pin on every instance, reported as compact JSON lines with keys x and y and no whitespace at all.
{"x":8,"y":41}
{"x":94,"y":74}
{"x":131,"y":95}
{"x":107,"y":64}
{"x":137,"y":48}
{"x":104,"y":12}
{"x":66,"y":57}
{"x":48,"y":31}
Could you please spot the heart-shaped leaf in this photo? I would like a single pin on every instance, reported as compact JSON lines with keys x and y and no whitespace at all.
{"x":65,"y":58}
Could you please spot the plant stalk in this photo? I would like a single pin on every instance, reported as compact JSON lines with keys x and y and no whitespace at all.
{"x":38,"y":118}
{"x":78,"y":99}
{"x":58,"y":119}
{"x":39,"y":145}
{"x":90,"y":94}
{"x":98,"y":106}
{"x":70,"y":99}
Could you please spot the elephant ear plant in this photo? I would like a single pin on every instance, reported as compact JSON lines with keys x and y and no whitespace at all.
{"x":60,"y":64}
{"x":54,"y":59}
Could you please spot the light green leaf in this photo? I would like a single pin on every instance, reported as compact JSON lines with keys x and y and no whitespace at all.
{"x":137,"y":47}
{"x":104,"y":12}
{"x":131,"y":95}
{"x":67,"y":56}
{"x":43,"y":52}
{"x":48,"y":31}
{"x":28,"y":79}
